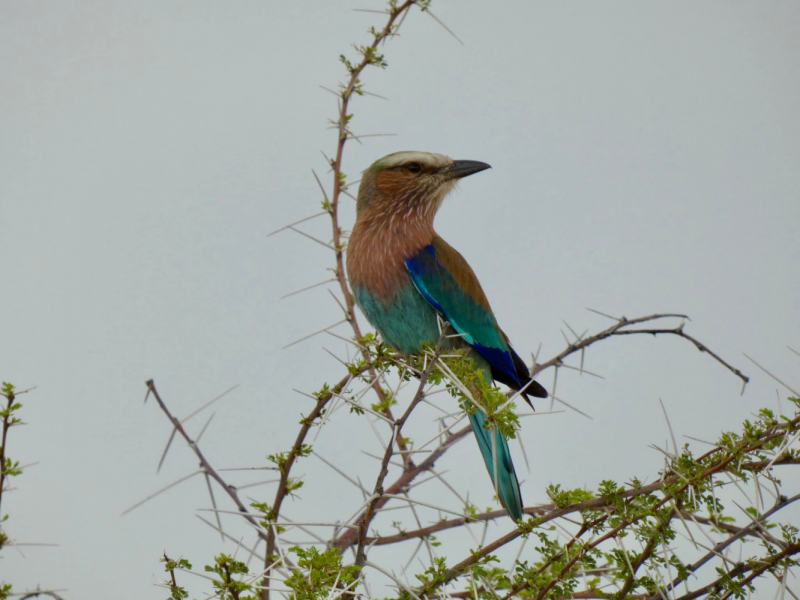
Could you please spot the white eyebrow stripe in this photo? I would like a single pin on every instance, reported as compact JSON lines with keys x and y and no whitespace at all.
{"x":426,"y":158}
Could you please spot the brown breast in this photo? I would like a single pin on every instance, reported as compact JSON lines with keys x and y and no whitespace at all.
{"x":378,"y":247}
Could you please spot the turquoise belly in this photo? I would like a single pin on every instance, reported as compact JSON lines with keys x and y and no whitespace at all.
{"x":404,"y":321}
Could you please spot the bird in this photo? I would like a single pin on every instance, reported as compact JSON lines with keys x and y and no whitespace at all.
{"x":403,"y":274}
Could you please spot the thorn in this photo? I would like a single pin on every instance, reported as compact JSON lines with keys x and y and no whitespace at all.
{"x":214,"y":503}
{"x":771,"y":375}
{"x":311,"y":237}
{"x":580,"y":412}
{"x":308,"y":287}
{"x":166,"y":449}
{"x":602,"y":314}
{"x":366,"y":135}
{"x":162,"y":490}
{"x":374,"y":94}
{"x":344,"y":310}
{"x":314,"y":216}
{"x":331,"y":91}
{"x":310,"y":335}
{"x":203,"y":430}
{"x":446,"y":28}
{"x":209,"y":403}
{"x":577,"y":337}
{"x":583,"y":354}
{"x":669,"y":426}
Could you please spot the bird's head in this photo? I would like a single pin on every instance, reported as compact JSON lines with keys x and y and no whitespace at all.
{"x":411,"y":182}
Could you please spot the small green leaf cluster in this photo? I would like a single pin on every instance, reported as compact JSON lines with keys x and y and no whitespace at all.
{"x":435,"y":574}
{"x":381,"y":355}
{"x":280,"y":459}
{"x":731,"y":584}
{"x":176,"y":591}
{"x":322,"y":392}
{"x":500,"y":412}
{"x":318,"y":573}
{"x":293,"y":484}
{"x":228,"y":586}
{"x":564,"y":498}
{"x":370,"y":55}
{"x":470,"y":509}
{"x":387,"y":402}
{"x":269,"y":516}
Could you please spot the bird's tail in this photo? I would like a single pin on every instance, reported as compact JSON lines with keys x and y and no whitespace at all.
{"x":497,"y":457}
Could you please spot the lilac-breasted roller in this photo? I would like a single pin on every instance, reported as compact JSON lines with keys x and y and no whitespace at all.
{"x":403,"y":274}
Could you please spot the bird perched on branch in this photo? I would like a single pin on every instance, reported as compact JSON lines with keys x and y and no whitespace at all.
{"x":403,"y":274}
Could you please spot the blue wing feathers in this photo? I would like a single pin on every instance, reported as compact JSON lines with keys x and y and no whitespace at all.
{"x":419,"y":264}
{"x":477,"y":324}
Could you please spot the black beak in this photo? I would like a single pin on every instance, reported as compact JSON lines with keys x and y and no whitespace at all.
{"x":464,"y":168}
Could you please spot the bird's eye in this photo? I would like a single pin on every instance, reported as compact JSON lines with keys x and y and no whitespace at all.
{"x":414,"y":167}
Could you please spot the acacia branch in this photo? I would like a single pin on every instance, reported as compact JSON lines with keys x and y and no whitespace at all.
{"x":281,"y":492}
{"x":669,"y":478}
{"x":7,"y":417}
{"x":339,"y":187}
{"x":377,"y":494}
{"x":717,"y":550}
{"x":541,"y":510}
{"x":207,"y":468}
{"x":740,"y":569}
{"x":620,"y":328}
{"x":350,"y":537}
{"x":652,"y":543}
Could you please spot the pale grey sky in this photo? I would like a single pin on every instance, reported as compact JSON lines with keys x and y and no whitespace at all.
{"x":645,"y":158}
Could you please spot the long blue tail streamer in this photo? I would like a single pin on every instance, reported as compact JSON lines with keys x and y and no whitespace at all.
{"x":506,"y":483}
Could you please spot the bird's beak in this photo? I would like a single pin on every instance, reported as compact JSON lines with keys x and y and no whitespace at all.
{"x":463,"y":168}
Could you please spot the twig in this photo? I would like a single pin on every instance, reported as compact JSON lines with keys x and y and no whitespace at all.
{"x":619,"y":329}
{"x":207,"y":468}
{"x":378,"y":492}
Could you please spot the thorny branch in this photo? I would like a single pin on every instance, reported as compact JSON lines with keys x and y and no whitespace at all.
{"x":205,"y":465}
{"x":651,"y":547}
{"x":747,"y":530}
{"x":7,"y":468}
{"x":669,"y":479}
{"x":377,"y":494}
{"x":352,"y":86}
{"x":350,"y":537}
{"x":541,"y":510}
{"x":7,"y":422}
{"x":622,"y":327}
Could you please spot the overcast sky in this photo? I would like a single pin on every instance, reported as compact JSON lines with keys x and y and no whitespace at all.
{"x":645,"y":159}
